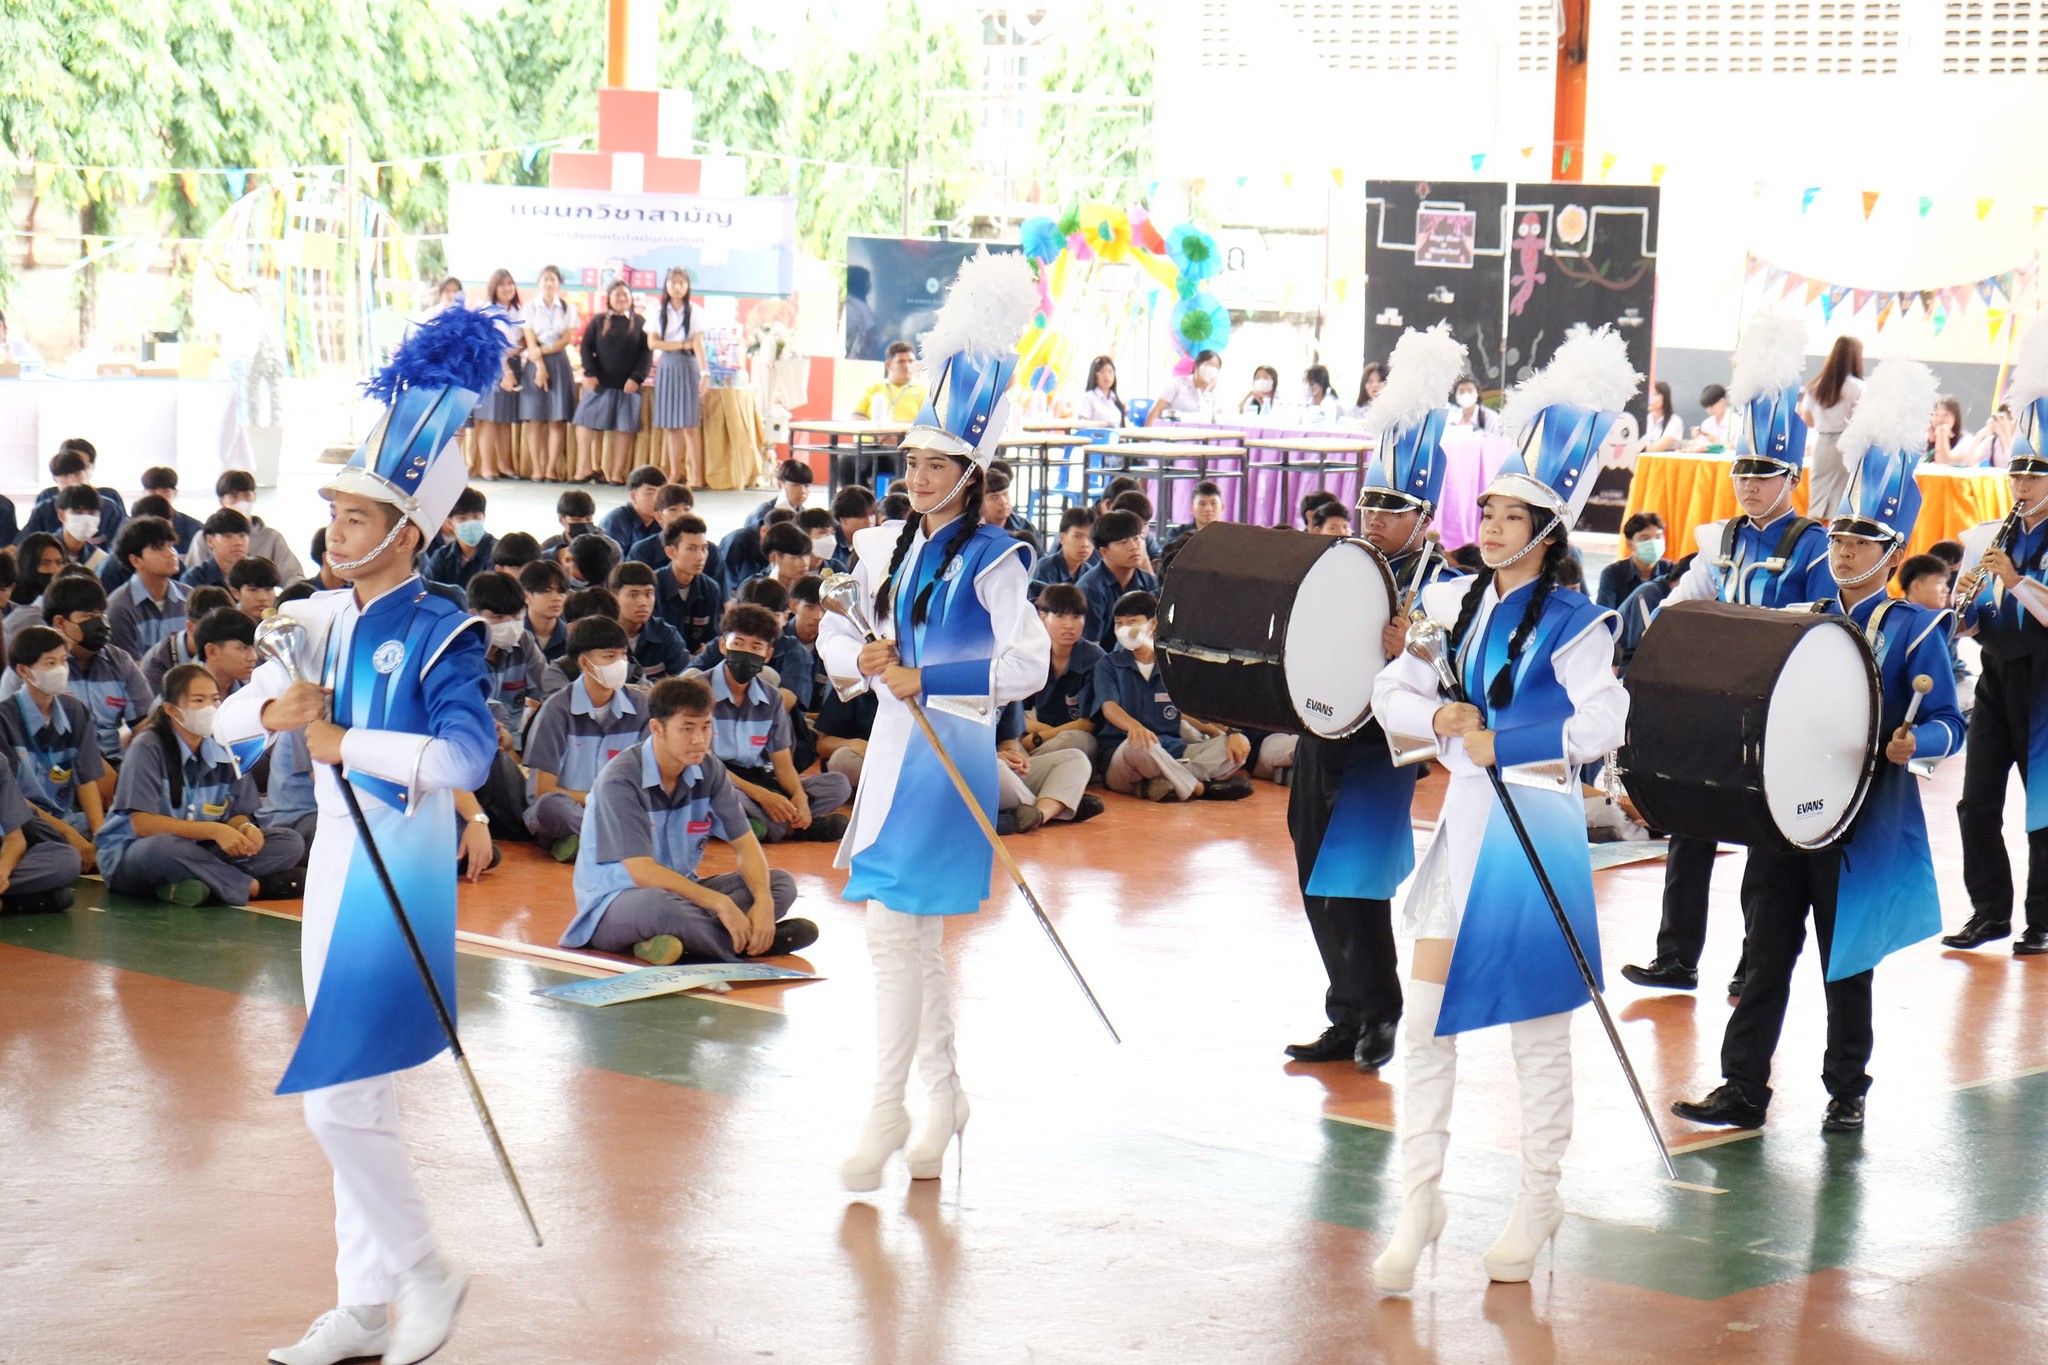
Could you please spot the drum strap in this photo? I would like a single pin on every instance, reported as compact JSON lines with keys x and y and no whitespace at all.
{"x":1780,"y":556}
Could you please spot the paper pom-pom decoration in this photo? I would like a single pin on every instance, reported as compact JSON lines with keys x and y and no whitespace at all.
{"x":1201,"y":324}
{"x":1044,"y":379}
{"x":1145,"y":234}
{"x":1194,"y":251}
{"x":1043,"y":239}
{"x":1107,"y":231}
{"x":1070,"y":221}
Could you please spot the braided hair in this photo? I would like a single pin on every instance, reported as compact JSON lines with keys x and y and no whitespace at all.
{"x":1501,"y":690}
{"x":963,"y":531}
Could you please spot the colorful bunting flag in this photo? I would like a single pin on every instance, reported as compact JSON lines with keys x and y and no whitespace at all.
{"x":492,"y":161}
{"x":189,"y":182}
{"x":1828,"y":300}
{"x":1813,"y":288}
{"x":1996,"y":320}
{"x":1927,"y":302}
{"x":2005,"y":287}
{"x":1869,"y":203}
{"x":1925,"y":204}
{"x":1884,"y":314}
{"x":1287,"y":179}
{"x":1607,"y":160}
{"x":1567,"y":160}
{"x":528,"y":155}
{"x":1478,"y":160}
{"x":1792,"y":282}
{"x":1806,"y":199}
{"x":238,"y":181}
{"x":1984,"y":208}
{"x":1859,"y":300}
{"x":2040,"y":212}
{"x":1656,"y":172}
{"x":1337,"y":177}
{"x":92,"y":182}
{"x":1940,"y":321}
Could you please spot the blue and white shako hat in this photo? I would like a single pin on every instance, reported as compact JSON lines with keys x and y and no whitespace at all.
{"x":1770,"y":358}
{"x":1883,"y":445}
{"x":2026,"y":392}
{"x":1564,"y":414}
{"x":970,"y":356}
{"x":411,"y":459}
{"x":1409,"y":417}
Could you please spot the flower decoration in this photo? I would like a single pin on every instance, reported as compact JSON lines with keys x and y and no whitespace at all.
{"x":1194,"y":251}
{"x":1107,"y":231}
{"x":1044,"y":379}
{"x":1043,"y":239}
{"x":1571,"y":224}
{"x":1145,"y":233}
{"x":1070,"y":221}
{"x":1201,"y":323}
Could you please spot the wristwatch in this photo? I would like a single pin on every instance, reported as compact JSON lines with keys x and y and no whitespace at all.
{"x":480,"y":819}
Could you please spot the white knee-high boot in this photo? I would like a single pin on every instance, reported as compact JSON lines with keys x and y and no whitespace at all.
{"x":893,"y":948}
{"x":1543,"y":1066}
{"x":1429,"y":1076}
{"x":937,"y":1062}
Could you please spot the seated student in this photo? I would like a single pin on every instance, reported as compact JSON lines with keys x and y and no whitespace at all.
{"x":853,"y":509}
{"x":1032,"y":789}
{"x":1119,"y":538}
{"x":788,"y":551}
{"x":72,"y":467}
{"x":806,"y":617}
{"x":1639,"y":608}
{"x":645,"y":826}
{"x":236,"y":490}
{"x":672,"y":503}
{"x":1924,"y":581}
{"x":822,"y":531}
{"x":843,"y":728}
{"x":997,"y":509}
{"x":754,"y":738}
{"x":183,"y":825}
{"x":103,"y":677}
{"x":225,"y":535}
{"x":1208,"y":509}
{"x":793,"y":480}
{"x":467,"y":549}
{"x":635,"y":519}
{"x":894,"y":398}
{"x":745,"y":554}
{"x":13,"y":614}
{"x":589,"y":561}
{"x":1073,"y":554}
{"x":181,"y":646}
{"x":1135,"y":502}
{"x":1311,"y":500}
{"x":78,"y":520}
{"x":1114,"y":489}
{"x":579,"y":730}
{"x":1713,"y":428}
{"x":546,"y":588}
{"x":114,"y":573}
{"x":576,"y":514}
{"x":150,"y":606}
{"x":686,"y":594}
{"x":50,"y":734}
{"x":513,"y":661}
{"x":1161,"y":755}
{"x":896,"y":507}
{"x":36,"y":874}
{"x":1644,"y":533}
{"x":254,"y":582}
{"x":577,"y":605}
{"x":1329,"y":519}
{"x":226,"y":642}
{"x":513,"y":551}
{"x":161,"y":481}
{"x":656,"y":645}
{"x":1062,"y":714}
{"x":791,"y":666}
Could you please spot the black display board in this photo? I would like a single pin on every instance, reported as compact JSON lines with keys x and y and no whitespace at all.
{"x":1435,"y":253}
{"x":894,"y":286}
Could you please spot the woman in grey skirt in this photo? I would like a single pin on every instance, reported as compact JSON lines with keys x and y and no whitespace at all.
{"x":547,"y":391}
{"x":679,"y":380}
{"x":497,"y":408}
{"x":1827,"y":405}
{"x":615,"y":361}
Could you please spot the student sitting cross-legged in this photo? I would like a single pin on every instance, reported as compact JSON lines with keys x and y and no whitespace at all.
{"x":37,"y":867}
{"x":183,"y":826}
{"x":644,"y":829}
{"x":1161,"y":754}
{"x":1062,"y":714}
{"x":50,"y":734}
{"x":579,"y":730}
{"x":1032,"y":789}
{"x":753,"y":738}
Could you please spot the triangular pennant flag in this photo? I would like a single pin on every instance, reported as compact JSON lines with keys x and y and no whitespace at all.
{"x":1528,"y":152}
{"x":1984,"y":208}
{"x":1884,"y":314}
{"x":1940,"y":321}
{"x":1869,"y":203}
{"x":92,"y":182}
{"x":1792,"y":282}
{"x":2040,"y":212}
{"x":492,"y":161}
{"x":1287,"y":179}
{"x":1925,"y":204}
{"x":1813,"y":288}
{"x":44,"y":176}
{"x":1955,"y":298}
{"x":1607,"y":160}
{"x":1243,"y":180}
{"x":1567,"y":160}
{"x":2005,"y":285}
{"x":1656,"y":172}
{"x":1750,"y":268}
{"x":189,"y":182}
{"x":1984,"y":287}
{"x":1336,"y":177}
{"x":1340,"y":287}
{"x":1772,"y":274}
{"x":1927,"y":297}
{"x":1828,"y":301}
{"x":528,"y":155}
{"x":1478,"y":160}
{"x":1996,"y":320}
{"x":238,"y":181}
{"x":1807,"y":197}
{"x":1859,"y":299}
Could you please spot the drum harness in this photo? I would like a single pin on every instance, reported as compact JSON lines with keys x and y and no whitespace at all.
{"x":1724,"y":563}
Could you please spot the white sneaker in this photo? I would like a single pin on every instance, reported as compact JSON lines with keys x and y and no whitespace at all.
{"x":428,"y":1300}
{"x":335,"y":1336}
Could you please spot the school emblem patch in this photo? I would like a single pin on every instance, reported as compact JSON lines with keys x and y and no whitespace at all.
{"x":389,"y":656}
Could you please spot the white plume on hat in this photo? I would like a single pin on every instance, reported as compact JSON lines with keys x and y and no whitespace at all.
{"x":1420,"y":372}
{"x":1589,"y":370}
{"x":2028,"y":381}
{"x":1893,"y":412}
{"x":1770,"y":357}
{"x":988,"y":308}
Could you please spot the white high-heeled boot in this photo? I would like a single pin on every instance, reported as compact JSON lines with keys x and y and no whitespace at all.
{"x":937,"y":1062}
{"x":1429,"y":1075}
{"x":1543,"y":1066}
{"x":892,"y":947}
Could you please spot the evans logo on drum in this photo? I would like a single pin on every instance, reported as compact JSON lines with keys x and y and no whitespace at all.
{"x":1807,"y":808}
{"x":1321,"y":708}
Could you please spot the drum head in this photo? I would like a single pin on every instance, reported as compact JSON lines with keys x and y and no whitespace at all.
{"x":1332,"y":651}
{"x":1816,"y":754}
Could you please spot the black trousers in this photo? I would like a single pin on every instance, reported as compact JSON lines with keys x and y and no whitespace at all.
{"x":1355,"y":937}
{"x":1688,"y":875}
{"x":1778,"y":889}
{"x":1995,"y":744}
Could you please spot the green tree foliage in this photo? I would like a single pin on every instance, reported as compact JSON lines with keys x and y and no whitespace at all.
{"x":1107,"y":54}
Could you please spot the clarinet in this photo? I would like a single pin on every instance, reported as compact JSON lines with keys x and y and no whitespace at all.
{"x":1973,"y":582}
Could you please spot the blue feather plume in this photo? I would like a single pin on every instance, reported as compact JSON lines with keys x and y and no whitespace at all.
{"x":457,"y":348}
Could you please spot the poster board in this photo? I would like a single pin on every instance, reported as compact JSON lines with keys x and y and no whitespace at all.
{"x":894,"y":286}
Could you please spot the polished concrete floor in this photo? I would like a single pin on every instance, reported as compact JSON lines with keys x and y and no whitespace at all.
{"x":1186,"y":1197}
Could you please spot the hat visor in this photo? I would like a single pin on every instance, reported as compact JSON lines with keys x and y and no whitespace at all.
{"x":1522,"y":488}
{"x":2027,"y":464}
{"x":365,"y":483}
{"x":939,"y":441}
{"x":1391,"y":500}
{"x":1758,"y":467}
{"x":1862,"y":528}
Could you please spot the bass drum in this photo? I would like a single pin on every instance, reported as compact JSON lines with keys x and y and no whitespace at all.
{"x":1750,"y":725}
{"x":1275,"y":630}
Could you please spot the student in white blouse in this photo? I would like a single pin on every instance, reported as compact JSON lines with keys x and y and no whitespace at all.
{"x":1323,"y":407}
{"x":1467,"y":411}
{"x":1190,"y":395}
{"x":547,"y":390}
{"x":678,"y":345}
{"x":497,"y":408}
{"x":1665,"y":429}
{"x":1827,"y":405}
{"x":1100,"y":402}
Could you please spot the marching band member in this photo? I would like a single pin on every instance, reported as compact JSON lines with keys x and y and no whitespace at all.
{"x":949,"y":598}
{"x":412,"y":724}
{"x":2003,"y":598}
{"x":1536,"y":661}
{"x":1348,"y":809}
{"x":1770,"y":556}
{"x":1873,"y":891}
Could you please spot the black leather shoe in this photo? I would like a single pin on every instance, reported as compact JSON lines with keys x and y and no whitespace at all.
{"x":282,"y":886}
{"x":1844,"y":1116}
{"x":1234,"y":788}
{"x":1735,"y":986}
{"x":792,"y":936}
{"x":1664,"y":974}
{"x":37,"y":902}
{"x":1978,"y":929}
{"x":1725,"y":1108}
{"x":1090,"y":807}
{"x":2033,"y":943}
{"x":1376,"y":1044}
{"x":1338,"y":1043}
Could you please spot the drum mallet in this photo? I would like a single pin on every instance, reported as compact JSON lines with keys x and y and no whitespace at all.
{"x":1429,"y":642}
{"x":1432,"y":544}
{"x":1922,"y":685}
{"x":283,"y":639}
{"x":841,"y":592}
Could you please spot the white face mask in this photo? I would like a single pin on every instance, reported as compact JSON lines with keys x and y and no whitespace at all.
{"x":1262,"y":385}
{"x":611,"y":676}
{"x":1134,"y":638}
{"x":824,"y":547}
{"x":1467,"y":399}
{"x":1207,"y":373}
{"x":51,"y":680}
{"x":199,"y":720}
{"x":246,"y":506}
{"x":81,"y":525}
{"x":505,"y":634}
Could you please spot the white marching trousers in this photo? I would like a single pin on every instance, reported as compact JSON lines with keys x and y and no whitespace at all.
{"x":380,"y":1220}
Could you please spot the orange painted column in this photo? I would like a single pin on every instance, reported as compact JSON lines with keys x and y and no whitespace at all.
{"x":1568,"y":148}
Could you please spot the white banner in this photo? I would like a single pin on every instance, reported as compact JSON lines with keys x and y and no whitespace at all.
{"x":729,"y":246}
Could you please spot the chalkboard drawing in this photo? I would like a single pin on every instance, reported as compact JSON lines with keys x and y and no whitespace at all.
{"x":1571,"y":224}
{"x":1528,"y":255}
{"x":1443,"y":296}
{"x":1446,"y":237}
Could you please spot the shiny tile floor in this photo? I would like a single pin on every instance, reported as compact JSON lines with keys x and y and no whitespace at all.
{"x":1187,"y":1197}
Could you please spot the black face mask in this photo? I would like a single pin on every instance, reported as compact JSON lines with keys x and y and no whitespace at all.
{"x":745,"y":667}
{"x":93,"y":634}
{"x":578,"y":528}
{"x":30,"y":585}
